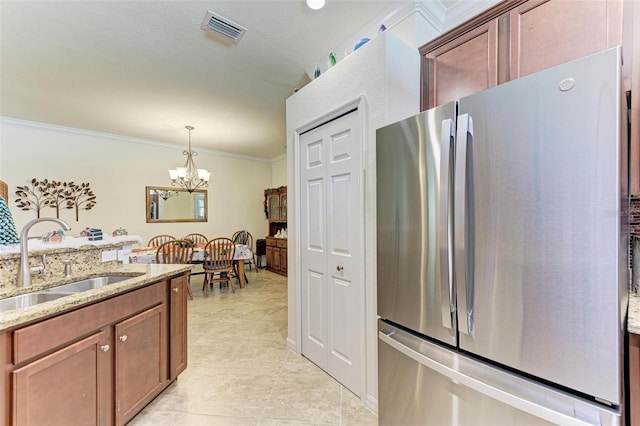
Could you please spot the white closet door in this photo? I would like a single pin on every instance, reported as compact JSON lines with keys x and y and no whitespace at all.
{"x":331,"y":210}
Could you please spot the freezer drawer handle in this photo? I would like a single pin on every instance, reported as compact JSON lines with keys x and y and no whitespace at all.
{"x":504,"y":387}
{"x":463,"y":224}
{"x":447,"y":134}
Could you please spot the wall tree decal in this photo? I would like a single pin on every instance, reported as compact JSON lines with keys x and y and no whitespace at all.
{"x":81,"y":197}
{"x":55,"y":194}
{"x":39,"y":192}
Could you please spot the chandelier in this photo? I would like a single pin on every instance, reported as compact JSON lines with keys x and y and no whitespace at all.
{"x":165,"y":195}
{"x":189,"y":177}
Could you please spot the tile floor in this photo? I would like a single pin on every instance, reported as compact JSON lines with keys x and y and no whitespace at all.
{"x":241,"y":372}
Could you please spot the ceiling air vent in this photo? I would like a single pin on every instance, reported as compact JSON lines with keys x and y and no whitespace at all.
{"x":224,"y":26}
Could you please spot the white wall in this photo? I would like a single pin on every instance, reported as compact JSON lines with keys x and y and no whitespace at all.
{"x":279,"y":172}
{"x":385,"y":73}
{"x":118,"y":170}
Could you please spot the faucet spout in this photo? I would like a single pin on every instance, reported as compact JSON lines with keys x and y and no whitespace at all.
{"x":24,"y":273}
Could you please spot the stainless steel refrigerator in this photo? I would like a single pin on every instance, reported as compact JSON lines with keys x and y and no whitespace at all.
{"x":502,"y":254}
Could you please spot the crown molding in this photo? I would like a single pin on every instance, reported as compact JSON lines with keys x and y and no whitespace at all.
{"x":433,"y":12}
{"x":464,"y":10}
{"x":112,"y":136}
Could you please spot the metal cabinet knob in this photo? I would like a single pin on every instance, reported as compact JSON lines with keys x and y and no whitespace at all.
{"x":175,"y":289}
{"x":104,"y":348}
{"x":123,"y":338}
{"x":339,"y":268}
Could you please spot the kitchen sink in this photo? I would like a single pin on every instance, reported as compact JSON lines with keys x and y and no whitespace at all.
{"x":26,"y":300}
{"x":88,"y":284}
{"x":53,"y":293}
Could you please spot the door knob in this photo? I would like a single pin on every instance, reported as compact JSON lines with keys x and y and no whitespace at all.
{"x":175,"y":289}
{"x":104,"y":348}
{"x":339,"y":268}
{"x":123,"y":338}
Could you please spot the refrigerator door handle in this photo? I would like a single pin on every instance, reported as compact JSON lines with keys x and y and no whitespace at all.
{"x":536,"y":399}
{"x":463,"y":264}
{"x":447,"y":134}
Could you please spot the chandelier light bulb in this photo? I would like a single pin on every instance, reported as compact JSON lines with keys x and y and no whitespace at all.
{"x":315,"y":4}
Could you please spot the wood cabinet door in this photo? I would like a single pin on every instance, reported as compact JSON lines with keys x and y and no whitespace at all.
{"x":276,"y":259}
{"x":273,"y":202}
{"x":269,"y":257}
{"x":283,"y":207}
{"x":78,"y":374}
{"x":140,"y":361}
{"x":463,"y":66}
{"x":283,"y":260}
{"x":545,"y":33}
{"x":178,"y":326}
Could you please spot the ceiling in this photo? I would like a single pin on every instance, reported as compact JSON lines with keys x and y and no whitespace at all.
{"x":145,"y":69}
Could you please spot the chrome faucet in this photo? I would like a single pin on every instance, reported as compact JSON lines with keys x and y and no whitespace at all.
{"x":24,"y":273}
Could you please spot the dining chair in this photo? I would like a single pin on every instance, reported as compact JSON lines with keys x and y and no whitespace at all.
{"x":160,"y":239}
{"x":177,"y":252}
{"x":197,"y":239}
{"x":218,"y":259}
{"x":245,"y":237}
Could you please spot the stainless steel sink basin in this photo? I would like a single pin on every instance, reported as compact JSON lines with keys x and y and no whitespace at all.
{"x":26,"y":300}
{"x":53,"y":293}
{"x":88,"y":284}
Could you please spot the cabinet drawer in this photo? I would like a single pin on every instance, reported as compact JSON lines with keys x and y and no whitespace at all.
{"x":281,"y":243}
{"x":271,"y":242}
{"x":35,"y":339}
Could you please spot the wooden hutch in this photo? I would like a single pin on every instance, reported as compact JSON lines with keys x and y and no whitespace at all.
{"x":276,"y":211}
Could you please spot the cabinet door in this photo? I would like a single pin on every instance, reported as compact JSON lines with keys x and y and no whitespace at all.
{"x":269,"y":257}
{"x":545,"y":33}
{"x":276,"y":259}
{"x":283,"y":207}
{"x":69,"y":386}
{"x":463,"y":66}
{"x":140,"y":361}
{"x":178,"y":326}
{"x":283,"y":260}
{"x":273,"y":202}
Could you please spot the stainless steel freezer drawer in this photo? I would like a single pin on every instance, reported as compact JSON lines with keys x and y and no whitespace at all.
{"x":421,"y":383}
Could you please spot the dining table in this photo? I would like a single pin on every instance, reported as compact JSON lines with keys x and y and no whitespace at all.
{"x":148,"y":255}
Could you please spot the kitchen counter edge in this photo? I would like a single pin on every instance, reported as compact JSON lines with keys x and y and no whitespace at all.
{"x":144,"y":274}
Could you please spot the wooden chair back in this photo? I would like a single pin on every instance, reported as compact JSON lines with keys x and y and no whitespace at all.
{"x":243,"y":237}
{"x":159,"y":240}
{"x":219,"y":254}
{"x":196,"y":239}
{"x":175,"y":251}
{"x":218,"y":259}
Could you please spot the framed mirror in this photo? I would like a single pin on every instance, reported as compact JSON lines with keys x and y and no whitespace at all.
{"x":175,"y":205}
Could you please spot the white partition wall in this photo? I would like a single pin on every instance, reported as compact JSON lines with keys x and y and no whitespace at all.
{"x":382,"y":79}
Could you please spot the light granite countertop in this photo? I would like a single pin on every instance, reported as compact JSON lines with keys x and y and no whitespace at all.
{"x":633,"y":321}
{"x":141,"y":274}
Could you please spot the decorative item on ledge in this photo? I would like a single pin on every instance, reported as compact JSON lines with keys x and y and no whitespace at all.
{"x":8,"y":232}
{"x":119,"y":231}
{"x":361,"y":43}
{"x":189,"y":176}
{"x":55,"y":194}
{"x":93,"y":234}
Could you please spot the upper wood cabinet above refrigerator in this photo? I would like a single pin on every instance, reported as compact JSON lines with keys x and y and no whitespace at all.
{"x":513,"y":39}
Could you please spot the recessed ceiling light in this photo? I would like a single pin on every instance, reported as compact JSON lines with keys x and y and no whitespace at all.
{"x":315,"y":4}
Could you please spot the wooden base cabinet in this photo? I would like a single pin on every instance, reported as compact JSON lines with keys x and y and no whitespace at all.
{"x":277,"y":255}
{"x":99,"y":364}
{"x":141,"y":361}
{"x":178,"y":325}
{"x":69,"y":384}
